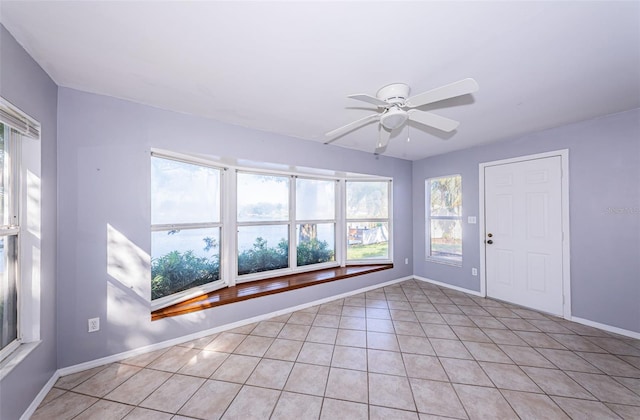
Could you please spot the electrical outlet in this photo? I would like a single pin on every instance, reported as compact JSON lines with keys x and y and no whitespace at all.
{"x":94,"y":324}
{"x":406,"y":260}
{"x":474,"y":271}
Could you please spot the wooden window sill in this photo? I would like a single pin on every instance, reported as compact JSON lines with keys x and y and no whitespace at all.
{"x":265,"y":287}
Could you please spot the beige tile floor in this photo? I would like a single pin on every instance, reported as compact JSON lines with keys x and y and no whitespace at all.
{"x":407,"y":351}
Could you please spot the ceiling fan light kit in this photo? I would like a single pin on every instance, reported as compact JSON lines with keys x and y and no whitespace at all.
{"x":396,"y":107}
{"x":393,"y":118}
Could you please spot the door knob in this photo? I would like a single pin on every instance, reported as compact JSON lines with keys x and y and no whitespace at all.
{"x":490,"y":241}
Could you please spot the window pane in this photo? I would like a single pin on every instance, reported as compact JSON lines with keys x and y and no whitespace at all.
{"x":315,"y":199}
{"x":184,"y":193}
{"x":366,"y":200}
{"x":262,"y":248}
{"x":262,"y":197}
{"x":446,"y":239}
{"x":182,"y":259}
{"x":316,"y":243}
{"x":446,"y":196}
{"x":368,"y":241}
{"x":8,"y":293}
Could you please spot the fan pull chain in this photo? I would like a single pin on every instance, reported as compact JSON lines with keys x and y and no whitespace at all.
{"x":408,"y":133}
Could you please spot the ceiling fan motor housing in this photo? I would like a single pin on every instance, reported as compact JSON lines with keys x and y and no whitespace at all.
{"x":395,"y":93}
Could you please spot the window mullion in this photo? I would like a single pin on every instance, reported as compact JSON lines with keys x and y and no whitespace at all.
{"x":229,"y":248}
{"x":293,"y":240}
{"x":264,"y":223}
{"x":342,"y":236}
{"x":180,"y":226}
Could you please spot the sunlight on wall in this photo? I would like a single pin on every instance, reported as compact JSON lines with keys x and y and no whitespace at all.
{"x":34,"y":334}
{"x":128,"y":264}
{"x":33,"y":204}
{"x":128,"y":289}
{"x":30,"y":253}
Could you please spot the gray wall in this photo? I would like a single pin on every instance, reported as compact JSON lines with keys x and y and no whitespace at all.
{"x":27,"y":86}
{"x":104,"y":179}
{"x":604,"y":172}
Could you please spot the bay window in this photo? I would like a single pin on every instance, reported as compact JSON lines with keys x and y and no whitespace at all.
{"x":216,"y":226}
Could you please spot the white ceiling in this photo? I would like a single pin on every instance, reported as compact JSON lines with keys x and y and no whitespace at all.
{"x":287,"y":67}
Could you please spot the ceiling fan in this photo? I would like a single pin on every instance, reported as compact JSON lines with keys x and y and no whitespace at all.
{"x":395,"y":107}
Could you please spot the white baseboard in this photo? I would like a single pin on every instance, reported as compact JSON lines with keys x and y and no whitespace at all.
{"x":40,"y":397}
{"x":183,"y":339}
{"x":135,"y":352}
{"x":605,"y":327}
{"x":449,"y":286}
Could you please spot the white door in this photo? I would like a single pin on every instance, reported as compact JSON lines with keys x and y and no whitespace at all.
{"x":523,"y":233}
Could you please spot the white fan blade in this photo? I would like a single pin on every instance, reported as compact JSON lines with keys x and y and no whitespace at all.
{"x":370,"y":99}
{"x":351,"y":126}
{"x":461,"y":87}
{"x":385,"y":135}
{"x":433,"y":120}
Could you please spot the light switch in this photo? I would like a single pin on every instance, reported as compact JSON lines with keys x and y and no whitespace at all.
{"x":471,"y":220}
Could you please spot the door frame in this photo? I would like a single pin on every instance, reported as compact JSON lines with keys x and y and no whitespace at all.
{"x":566,"y":269}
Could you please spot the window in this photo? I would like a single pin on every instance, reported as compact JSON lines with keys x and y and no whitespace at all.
{"x":214,"y":226}
{"x":367,"y":220}
{"x":444,"y":219}
{"x":20,"y":232}
{"x":9,"y":231}
{"x":265,"y":219}
{"x":315,"y":221}
{"x":263,"y":222}
{"x":186,"y":226}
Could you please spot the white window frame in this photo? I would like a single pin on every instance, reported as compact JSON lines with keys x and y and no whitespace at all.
{"x":334,"y":221}
{"x":429,"y":217}
{"x":291,"y":222}
{"x":25,"y":134}
{"x":12,"y":227}
{"x":214,"y":285}
{"x":230,"y":224}
{"x":243,"y":278}
{"x":387,"y":220}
